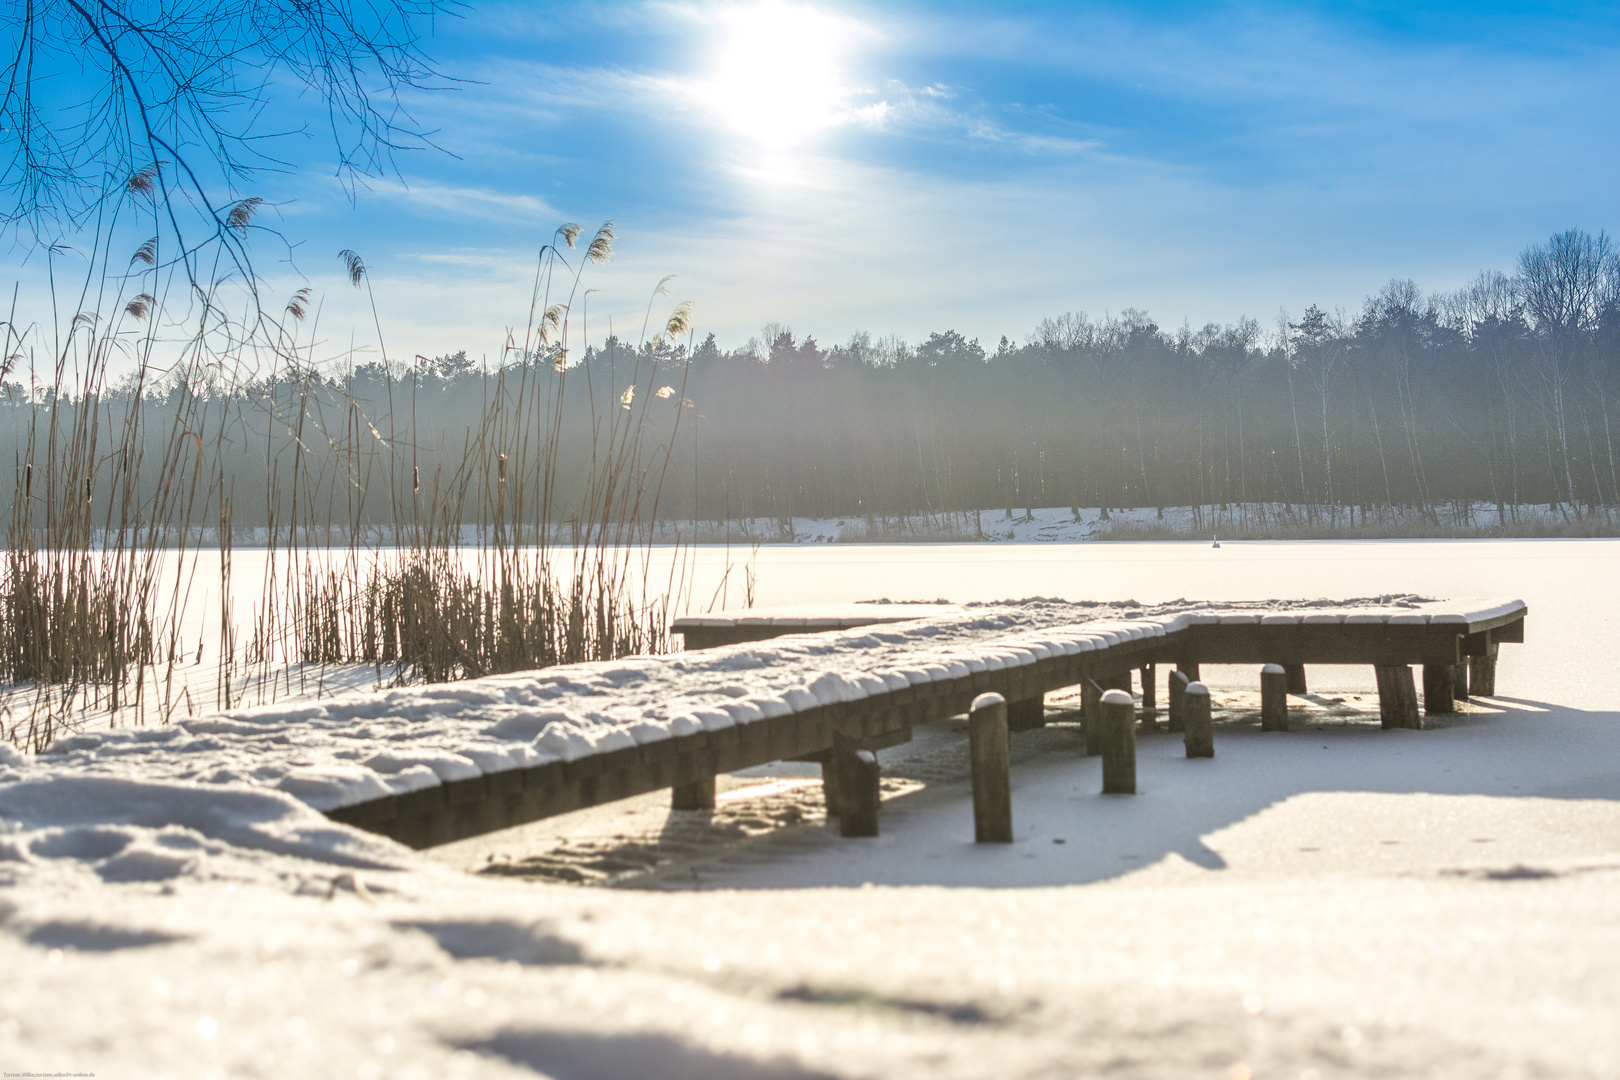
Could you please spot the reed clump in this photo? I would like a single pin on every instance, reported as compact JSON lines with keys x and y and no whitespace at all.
{"x":562,"y":519}
{"x":99,"y":538}
{"x":523,"y":544}
{"x":426,"y":617}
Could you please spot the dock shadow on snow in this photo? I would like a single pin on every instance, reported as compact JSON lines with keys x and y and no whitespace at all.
{"x":1067,"y":833}
{"x":572,"y":1055}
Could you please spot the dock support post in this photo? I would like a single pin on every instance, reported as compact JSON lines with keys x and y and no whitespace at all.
{"x":1150,"y":696}
{"x":1119,"y":743}
{"x":1178,"y":704}
{"x":859,"y":791}
{"x":1273,"y":698}
{"x":1397,"y":697}
{"x":1482,"y":672}
{"x":1200,"y":734}
{"x":698,"y":795}
{"x":1188,"y":668}
{"x":1028,"y":714}
{"x":1091,"y":716}
{"x":1296,"y":678}
{"x":1459,"y":681}
{"x":1439,"y":689}
{"x":992,"y":786}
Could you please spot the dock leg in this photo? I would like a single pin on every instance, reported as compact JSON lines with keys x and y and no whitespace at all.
{"x":992,"y":786}
{"x":1188,"y":668}
{"x":829,"y":787}
{"x":1439,"y":689}
{"x":1091,"y":716}
{"x":1482,"y":673}
{"x":1459,"y":681}
{"x":1273,"y":698}
{"x":1296,"y":678}
{"x":698,"y":795}
{"x":1119,"y":743}
{"x":858,"y":791}
{"x":1178,"y":705}
{"x":1027,"y":715}
{"x":1200,"y":734}
{"x":1150,"y":696}
{"x":1397,"y":697}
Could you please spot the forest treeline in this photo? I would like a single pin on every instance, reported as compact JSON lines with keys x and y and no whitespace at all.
{"x":1503,"y":391}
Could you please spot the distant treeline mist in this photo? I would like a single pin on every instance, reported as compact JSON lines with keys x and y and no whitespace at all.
{"x":1504,"y":391}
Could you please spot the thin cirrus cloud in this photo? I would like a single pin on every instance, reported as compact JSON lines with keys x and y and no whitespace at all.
{"x":907,"y":168}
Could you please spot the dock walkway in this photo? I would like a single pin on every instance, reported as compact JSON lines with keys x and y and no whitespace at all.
{"x":429,"y":765}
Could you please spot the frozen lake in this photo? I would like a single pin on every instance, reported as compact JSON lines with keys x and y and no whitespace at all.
{"x":1572,"y":586}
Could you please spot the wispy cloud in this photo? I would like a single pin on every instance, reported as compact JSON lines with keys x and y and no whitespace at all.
{"x":487,"y":204}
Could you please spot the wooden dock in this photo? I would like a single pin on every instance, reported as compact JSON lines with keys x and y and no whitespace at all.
{"x":1456,"y":649}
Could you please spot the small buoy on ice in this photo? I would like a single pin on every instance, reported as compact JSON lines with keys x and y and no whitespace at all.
{"x":1215,"y":538}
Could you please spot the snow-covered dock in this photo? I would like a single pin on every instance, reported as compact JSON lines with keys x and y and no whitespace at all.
{"x":429,"y":765}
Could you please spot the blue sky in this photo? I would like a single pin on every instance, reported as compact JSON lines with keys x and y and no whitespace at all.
{"x":904,"y":168}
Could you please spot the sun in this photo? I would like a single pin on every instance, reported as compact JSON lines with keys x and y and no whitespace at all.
{"x":777,"y":79}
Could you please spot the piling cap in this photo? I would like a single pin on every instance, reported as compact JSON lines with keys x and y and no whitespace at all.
{"x":1196,"y":688}
{"x":1273,"y":669}
{"x":1117,"y":697}
{"x":985,"y":701}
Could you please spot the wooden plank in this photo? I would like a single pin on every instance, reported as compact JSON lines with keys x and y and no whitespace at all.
{"x":1371,"y":643}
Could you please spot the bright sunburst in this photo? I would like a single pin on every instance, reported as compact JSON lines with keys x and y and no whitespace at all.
{"x":777,"y":79}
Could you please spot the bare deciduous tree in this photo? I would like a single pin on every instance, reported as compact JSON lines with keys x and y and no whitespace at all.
{"x":185,"y":100}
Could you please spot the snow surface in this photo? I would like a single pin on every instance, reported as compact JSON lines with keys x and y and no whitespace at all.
{"x":1396,"y":904}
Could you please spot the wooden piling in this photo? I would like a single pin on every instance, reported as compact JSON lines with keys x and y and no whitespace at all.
{"x":1459,"y":681}
{"x":1482,"y":672}
{"x":1397,"y":697}
{"x":859,"y":791}
{"x":1150,"y":696}
{"x":1119,"y":743}
{"x":1200,"y":734}
{"x":992,"y":786}
{"x":698,"y":795}
{"x":1296,"y":678}
{"x":1439,"y":681}
{"x":1178,"y":705}
{"x":1028,"y":714}
{"x":1188,"y":668}
{"x":1273,"y":698}
{"x":1091,"y":716}
{"x":830,"y":792}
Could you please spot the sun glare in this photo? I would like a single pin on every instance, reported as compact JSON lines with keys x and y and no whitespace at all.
{"x":777,"y":80}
